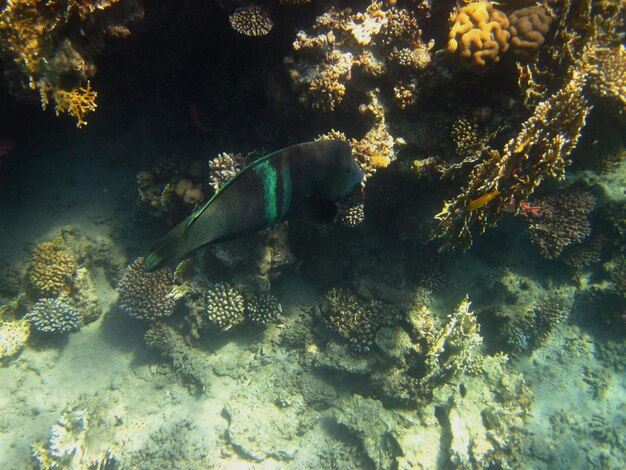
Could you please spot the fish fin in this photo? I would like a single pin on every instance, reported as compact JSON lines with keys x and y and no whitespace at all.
{"x":322,"y":210}
{"x":172,"y":246}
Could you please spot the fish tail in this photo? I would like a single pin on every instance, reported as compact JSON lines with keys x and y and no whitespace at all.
{"x":172,"y":246}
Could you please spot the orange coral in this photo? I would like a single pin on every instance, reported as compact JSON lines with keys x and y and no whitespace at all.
{"x":528,"y":29}
{"x":479,"y":34}
{"x":76,"y":102}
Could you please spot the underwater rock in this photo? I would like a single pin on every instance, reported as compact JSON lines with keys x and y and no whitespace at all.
{"x":259,"y":429}
{"x":374,"y":426}
{"x":317,"y":393}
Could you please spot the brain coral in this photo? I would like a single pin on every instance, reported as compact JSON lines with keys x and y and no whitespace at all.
{"x":225,"y":306}
{"x":529,"y":27}
{"x":251,"y":20}
{"x":479,"y":34}
{"x":147,"y":295}
{"x":54,"y":316}
{"x":52,"y":269}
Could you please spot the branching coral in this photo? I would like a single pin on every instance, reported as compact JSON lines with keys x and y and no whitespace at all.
{"x":564,"y":220}
{"x":52,"y":269}
{"x":479,"y":34}
{"x":377,"y":147}
{"x":54,"y":316}
{"x":608,"y":75}
{"x":13,"y":336}
{"x":225,"y":306}
{"x":346,"y":48}
{"x":540,"y":150}
{"x":147,"y":295}
{"x":251,"y":20}
{"x":77,"y":103}
{"x":263,"y":308}
{"x":34,"y":37}
{"x":356,"y":321}
{"x":225,"y":166}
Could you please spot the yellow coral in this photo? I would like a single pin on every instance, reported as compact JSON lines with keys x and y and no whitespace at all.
{"x":479,"y":33}
{"x":52,"y":269}
{"x":76,"y":102}
{"x":13,"y":336}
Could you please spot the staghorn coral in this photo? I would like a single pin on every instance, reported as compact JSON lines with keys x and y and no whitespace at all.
{"x":252,"y":20}
{"x":147,"y":295}
{"x":54,"y":316}
{"x":564,"y":220}
{"x":584,"y":254}
{"x":263,"y":308}
{"x":528,"y":28}
{"x":539,"y":151}
{"x":479,"y":34}
{"x":52,"y":269}
{"x":225,"y":306}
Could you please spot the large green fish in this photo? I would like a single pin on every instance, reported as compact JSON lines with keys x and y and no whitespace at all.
{"x":286,"y":184}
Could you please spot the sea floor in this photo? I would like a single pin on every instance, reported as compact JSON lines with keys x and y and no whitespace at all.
{"x":261,"y":407}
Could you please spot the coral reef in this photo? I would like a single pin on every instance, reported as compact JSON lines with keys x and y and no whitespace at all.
{"x":501,"y":179}
{"x":54,"y":316}
{"x":354,"y":320}
{"x":147,"y":295}
{"x":225,"y":306}
{"x":13,"y":336}
{"x":263,"y":308}
{"x":564,"y":220}
{"x":529,"y":27}
{"x":41,"y":42}
{"x":68,"y":445}
{"x":347,"y":49}
{"x":225,"y":166}
{"x":52,"y":269}
{"x":479,"y":34}
{"x":608,"y":76}
{"x":184,"y":359}
{"x":252,"y":20}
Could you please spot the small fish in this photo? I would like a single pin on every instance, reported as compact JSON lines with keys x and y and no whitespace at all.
{"x":294,"y":182}
{"x":482,"y":200}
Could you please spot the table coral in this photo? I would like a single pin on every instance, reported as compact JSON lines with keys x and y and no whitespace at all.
{"x":147,"y":295}
{"x":52,"y":269}
{"x":479,"y":34}
{"x":529,"y":27}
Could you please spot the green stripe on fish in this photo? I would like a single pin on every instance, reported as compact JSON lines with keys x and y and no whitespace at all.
{"x":298,"y":178}
{"x":267,"y":175}
{"x":285,"y":178}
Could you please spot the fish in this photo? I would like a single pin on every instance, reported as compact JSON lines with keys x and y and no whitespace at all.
{"x":303,"y":180}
